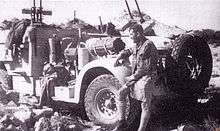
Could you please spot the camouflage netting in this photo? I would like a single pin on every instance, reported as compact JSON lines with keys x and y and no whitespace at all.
{"x":151,"y":26}
{"x":77,"y":23}
{"x":7,"y":24}
{"x":16,"y":33}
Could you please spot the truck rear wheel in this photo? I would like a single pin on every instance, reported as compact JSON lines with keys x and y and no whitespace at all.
{"x":101,"y":102}
{"x":193,"y":62}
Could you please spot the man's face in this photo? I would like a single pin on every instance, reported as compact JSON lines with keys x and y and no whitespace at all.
{"x":134,"y":36}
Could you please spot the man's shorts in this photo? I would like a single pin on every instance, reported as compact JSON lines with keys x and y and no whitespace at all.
{"x":145,"y":88}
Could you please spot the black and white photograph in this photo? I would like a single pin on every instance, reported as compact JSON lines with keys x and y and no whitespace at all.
{"x":110,"y":65}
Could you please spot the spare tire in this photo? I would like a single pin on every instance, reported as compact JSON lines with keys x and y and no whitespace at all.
{"x":193,"y":63}
{"x":101,"y":102}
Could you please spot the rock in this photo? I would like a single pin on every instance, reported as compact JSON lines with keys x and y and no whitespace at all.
{"x":23,"y":115}
{"x":56,"y":114}
{"x":15,"y":121}
{"x":43,"y":124}
{"x":68,"y":123}
{"x":56,"y":124}
{"x":2,"y":128}
{"x":71,"y":126}
{"x":28,"y":100}
{"x":13,"y":96}
{"x":2,"y":92}
{"x":12,"y":104}
{"x":22,"y":127}
{"x":6,"y":120}
{"x":42,"y":112}
{"x":7,"y":110}
{"x":10,"y":96}
{"x":11,"y":128}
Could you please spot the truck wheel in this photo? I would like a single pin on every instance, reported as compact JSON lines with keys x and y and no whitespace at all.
{"x":101,"y":102}
{"x":193,"y":62}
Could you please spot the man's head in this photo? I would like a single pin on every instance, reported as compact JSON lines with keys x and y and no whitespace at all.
{"x":136,"y":33}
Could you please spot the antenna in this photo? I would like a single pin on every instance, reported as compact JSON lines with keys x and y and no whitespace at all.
{"x":100,"y":20}
{"x":129,"y":11}
{"x":74,"y":14}
{"x":139,"y":11}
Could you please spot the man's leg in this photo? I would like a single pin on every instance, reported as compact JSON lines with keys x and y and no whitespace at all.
{"x":145,"y":116}
{"x":49,"y":89}
{"x":123,"y":93}
{"x":43,"y":95}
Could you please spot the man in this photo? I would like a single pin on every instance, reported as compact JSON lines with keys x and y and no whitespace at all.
{"x":141,"y":84}
{"x":54,"y":75}
{"x":15,"y":37}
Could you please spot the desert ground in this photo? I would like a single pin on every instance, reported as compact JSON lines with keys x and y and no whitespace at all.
{"x":18,"y":113}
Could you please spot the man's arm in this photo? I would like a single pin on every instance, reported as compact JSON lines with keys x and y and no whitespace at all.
{"x":123,"y":55}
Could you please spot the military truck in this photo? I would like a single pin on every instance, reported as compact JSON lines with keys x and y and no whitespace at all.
{"x":184,"y":67}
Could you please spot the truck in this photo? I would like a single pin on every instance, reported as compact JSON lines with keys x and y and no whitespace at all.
{"x":184,"y":66}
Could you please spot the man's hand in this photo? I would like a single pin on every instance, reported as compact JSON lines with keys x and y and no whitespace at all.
{"x":119,"y":62}
{"x":130,"y":81}
{"x":130,"y":78}
{"x":116,"y":63}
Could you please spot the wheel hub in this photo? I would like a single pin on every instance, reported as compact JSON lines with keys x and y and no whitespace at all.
{"x":193,"y":66}
{"x":106,"y":103}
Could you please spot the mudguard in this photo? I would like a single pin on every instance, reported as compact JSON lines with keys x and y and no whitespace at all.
{"x":99,"y":67}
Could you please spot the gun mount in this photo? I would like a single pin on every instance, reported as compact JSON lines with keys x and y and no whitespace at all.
{"x":36,"y":13}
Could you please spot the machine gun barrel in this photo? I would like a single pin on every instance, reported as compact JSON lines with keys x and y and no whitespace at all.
{"x":139,"y":11}
{"x":36,"y":13}
{"x":33,"y":12}
{"x":40,"y":10}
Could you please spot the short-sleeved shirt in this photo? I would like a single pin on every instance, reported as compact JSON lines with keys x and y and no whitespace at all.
{"x":144,"y":69}
{"x":144,"y":60}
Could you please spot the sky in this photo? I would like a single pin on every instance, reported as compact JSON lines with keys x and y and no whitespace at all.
{"x":187,"y":14}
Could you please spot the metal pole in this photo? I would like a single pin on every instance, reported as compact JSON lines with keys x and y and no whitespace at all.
{"x":139,"y":11}
{"x":100,"y":20}
{"x":74,"y":14}
{"x":129,"y":11}
{"x":33,"y":13}
{"x":41,"y":9}
{"x":34,"y":3}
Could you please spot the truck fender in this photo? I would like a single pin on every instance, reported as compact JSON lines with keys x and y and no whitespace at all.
{"x":95,"y":68}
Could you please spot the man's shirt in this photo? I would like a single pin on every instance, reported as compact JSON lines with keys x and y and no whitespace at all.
{"x":144,"y":60}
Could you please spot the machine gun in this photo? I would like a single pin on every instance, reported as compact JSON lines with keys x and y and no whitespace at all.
{"x":132,"y":21}
{"x":36,"y":13}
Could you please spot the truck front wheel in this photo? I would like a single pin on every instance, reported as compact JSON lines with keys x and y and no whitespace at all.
{"x":101,"y":102}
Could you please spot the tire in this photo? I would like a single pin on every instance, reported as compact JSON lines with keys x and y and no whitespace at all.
{"x":5,"y":79}
{"x":104,"y":89}
{"x":193,"y":59}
